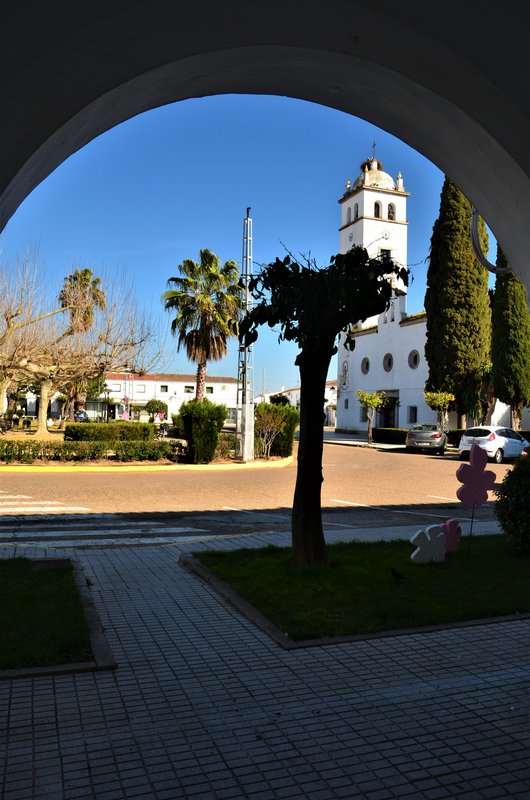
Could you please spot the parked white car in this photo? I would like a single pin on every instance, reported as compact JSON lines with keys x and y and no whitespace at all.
{"x":499,"y":443}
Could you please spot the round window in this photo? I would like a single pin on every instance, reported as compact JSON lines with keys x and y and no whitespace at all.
{"x":365,"y":366}
{"x":388,"y":362}
{"x":414,"y":359}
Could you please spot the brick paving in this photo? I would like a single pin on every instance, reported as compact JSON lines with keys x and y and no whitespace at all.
{"x":203,"y":705}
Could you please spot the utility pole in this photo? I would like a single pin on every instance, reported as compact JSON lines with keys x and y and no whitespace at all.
{"x":245,"y":372}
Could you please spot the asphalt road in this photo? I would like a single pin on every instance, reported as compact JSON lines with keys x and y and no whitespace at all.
{"x":362,"y":487}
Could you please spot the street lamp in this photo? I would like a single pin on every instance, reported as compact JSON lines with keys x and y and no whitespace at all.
{"x":106,"y":393}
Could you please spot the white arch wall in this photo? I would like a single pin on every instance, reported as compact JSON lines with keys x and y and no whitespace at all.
{"x":449,"y":83}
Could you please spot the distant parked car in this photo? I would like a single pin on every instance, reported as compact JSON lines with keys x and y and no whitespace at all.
{"x":426,"y":436}
{"x":498,"y":442}
{"x":81,"y":416}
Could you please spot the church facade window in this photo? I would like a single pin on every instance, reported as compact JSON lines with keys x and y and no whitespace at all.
{"x":348,"y":216}
{"x":391,"y":211}
{"x":388,"y":362}
{"x":356,"y":211}
{"x":377,"y":210}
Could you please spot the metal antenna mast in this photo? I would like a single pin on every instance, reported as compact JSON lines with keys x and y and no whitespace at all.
{"x":245,"y":371}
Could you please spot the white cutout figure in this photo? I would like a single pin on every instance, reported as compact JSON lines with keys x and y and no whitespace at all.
{"x":430,"y":545}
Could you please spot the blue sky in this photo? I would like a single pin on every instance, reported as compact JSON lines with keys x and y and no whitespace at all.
{"x":158,"y":188}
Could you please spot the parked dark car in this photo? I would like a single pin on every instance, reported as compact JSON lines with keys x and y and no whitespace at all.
{"x":426,"y":436}
{"x":81,"y":416}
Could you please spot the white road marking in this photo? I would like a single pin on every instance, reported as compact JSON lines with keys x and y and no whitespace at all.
{"x":393,"y":510}
{"x":439,"y":497}
{"x":33,"y":508}
{"x":6,"y":496}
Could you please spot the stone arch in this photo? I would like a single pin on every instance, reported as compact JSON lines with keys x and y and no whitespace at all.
{"x":67,"y":77}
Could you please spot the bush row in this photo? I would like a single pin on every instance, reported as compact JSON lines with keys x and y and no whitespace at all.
{"x":109,"y":431}
{"x":202,"y":423}
{"x":27,"y":451}
{"x":283,"y":444}
{"x":512,"y":508}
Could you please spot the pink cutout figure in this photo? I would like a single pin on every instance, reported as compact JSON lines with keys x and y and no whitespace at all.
{"x":453,"y":533}
{"x":477,"y":481}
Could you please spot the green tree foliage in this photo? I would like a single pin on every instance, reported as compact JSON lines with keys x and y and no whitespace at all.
{"x":457,"y":304}
{"x":268,"y":423}
{"x":371,"y":401}
{"x":203,"y":422}
{"x":511,"y":342}
{"x":441,"y":403}
{"x":154,"y":406}
{"x":311,"y":307}
{"x":207,"y":301}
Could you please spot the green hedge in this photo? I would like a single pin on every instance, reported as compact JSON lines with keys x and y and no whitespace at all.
{"x":28,"y":452}
{"x":109,"y":431}
{"x":283,"y":444}
{"x":389,"y":435}
{"x":512,"y":508}
{"x":203,"y":421}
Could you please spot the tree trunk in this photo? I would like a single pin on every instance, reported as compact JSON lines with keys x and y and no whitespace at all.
{"x":44,"y":399}
{"x":4,"y":386}
{"x":201,"y":381}
{"x":370,"y":418}
{"x":308,"y":541}
{"x":516,"y":413}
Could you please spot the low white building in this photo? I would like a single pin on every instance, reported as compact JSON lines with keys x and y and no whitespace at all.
{"x":128,"y":391}
{"x":330,"y":399}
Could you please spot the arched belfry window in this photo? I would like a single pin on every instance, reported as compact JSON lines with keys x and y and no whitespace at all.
{"x":391,"y":211}
{"x":356,"y":211}
{"x":377,"y":210}
{"x":348,"y":215}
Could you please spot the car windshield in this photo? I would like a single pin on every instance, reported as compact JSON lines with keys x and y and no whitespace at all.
{"x":477,"y":432}
{"x":425,"y":428}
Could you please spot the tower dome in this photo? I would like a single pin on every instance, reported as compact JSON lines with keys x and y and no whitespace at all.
{"x":372,"y":175}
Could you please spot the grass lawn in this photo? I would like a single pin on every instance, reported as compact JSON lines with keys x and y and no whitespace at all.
{"x":357,"y":593}
{"x":42,"y":619}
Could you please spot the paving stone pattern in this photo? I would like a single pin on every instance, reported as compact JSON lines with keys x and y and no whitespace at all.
{"x":204,"y":706}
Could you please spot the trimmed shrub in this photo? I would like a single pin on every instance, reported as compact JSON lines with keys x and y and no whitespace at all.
{"x":283,"y":444}
{"x":226,"y":446}
{"x":389,"y":435}
{"x":149,"y":451}
{"x":109,"y":431}
{"x":203,"y":421}
{"x":453,"y":437}
{"x":512,"y":508}
{"x":177,"y":429}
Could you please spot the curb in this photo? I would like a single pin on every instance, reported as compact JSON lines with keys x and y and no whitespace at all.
{"x":74,"y":467}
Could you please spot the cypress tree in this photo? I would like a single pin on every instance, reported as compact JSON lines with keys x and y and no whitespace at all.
{"x":458,"y":311}
{"x":511,"y":342}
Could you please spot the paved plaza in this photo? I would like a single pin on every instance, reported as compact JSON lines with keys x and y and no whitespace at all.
{"x":204,"y":705}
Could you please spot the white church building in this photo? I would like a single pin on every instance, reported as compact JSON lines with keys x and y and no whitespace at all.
{"x":389,"y":353}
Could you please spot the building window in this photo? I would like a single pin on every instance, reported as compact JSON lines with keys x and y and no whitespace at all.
{"x":414,"y":359}
{"x":164,"y":388}
{"x":412,"y":414}
{"x":388,"y":362}
{"x":384,"y":255}
{"x":391,"y":211}
{"x":209,"y":390}
{"x":365,"y":366}
{"x":377,"y":210}
{"x":348,"y":215}
{"x":115,"y":387}
{"x":140,"y":387}
{"x":189,"y":389}
{"x":356,"y":211}
{"x":346,"y":403}
{"x":363,"y":417}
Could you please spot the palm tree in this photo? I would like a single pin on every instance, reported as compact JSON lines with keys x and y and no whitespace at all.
{"x":207,"y":300}
{"x":82,"y":294}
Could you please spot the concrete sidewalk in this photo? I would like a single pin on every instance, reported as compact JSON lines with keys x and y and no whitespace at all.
{"x":204,"y":705}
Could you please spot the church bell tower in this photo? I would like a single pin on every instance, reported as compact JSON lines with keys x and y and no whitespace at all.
{"x":374,"y":213}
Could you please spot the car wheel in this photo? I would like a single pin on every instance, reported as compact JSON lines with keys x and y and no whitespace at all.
{"x":441,"y":451}
{"x":464,"y":456}
{"x":499,"y":455}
